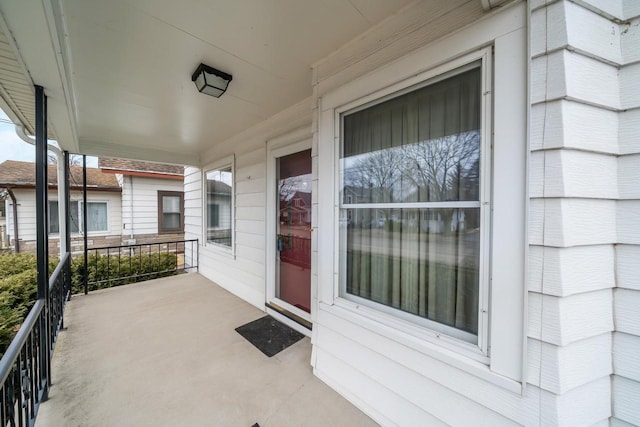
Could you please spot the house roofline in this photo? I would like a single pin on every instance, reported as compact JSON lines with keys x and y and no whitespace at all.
{"x":55,"y":187}
{"x":144,"y":174}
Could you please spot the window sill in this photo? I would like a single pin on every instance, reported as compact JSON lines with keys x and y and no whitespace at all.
{"x":222,"y":250}
{"x":422,"y":341}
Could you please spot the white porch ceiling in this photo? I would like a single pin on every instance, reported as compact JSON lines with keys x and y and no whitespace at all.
{"x":122,"y":69}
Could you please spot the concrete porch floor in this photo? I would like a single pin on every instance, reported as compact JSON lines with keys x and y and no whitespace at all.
{"x":165,"y":353}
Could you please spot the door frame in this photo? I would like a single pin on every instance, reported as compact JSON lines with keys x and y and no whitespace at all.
{"x":289,"y":143}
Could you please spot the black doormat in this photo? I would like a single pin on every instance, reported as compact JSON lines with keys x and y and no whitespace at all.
{"x":269,"y":335}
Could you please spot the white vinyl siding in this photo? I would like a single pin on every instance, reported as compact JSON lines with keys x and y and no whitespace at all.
{"x":581,"y":221}
{"x":584,"y":201}
{"x":27,"y":212}
{"x":140,"y":203}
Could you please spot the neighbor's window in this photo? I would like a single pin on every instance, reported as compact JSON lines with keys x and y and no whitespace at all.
{"x":96,"y":217}
{"x":170,"y":209}
{"x":410,"y":204}
{"x":219,"y":217}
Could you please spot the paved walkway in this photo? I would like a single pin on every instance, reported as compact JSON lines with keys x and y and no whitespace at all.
{"x":165,"y":353}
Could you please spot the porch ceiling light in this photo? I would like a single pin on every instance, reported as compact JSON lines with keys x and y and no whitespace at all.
{"x":211,"y":81}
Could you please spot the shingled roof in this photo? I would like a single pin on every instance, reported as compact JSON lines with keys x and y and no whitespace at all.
{"x":23,"y":175}
{"x":135,"y":167}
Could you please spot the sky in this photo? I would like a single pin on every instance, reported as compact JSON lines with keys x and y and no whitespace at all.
{"x":13,"y":148}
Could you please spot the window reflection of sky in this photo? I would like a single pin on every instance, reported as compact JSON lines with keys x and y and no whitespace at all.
{"x":223,"y":175}
{"x":440,"y":169}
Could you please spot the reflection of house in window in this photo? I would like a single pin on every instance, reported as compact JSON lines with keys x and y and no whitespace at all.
{"x":296,"y":210}
{"x":218,"y":209}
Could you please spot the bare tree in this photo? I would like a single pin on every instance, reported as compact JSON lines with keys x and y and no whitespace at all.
{"x":379,"y":170}
{"x":74,"y":159}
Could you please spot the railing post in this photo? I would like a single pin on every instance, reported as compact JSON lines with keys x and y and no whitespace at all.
{"x":42,"y":247}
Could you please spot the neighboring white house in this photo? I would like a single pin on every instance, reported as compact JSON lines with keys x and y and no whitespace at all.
{"x":487,"y":273}
{"x":128,"y":202}
{"x":152,"y":199}
{"x":104,"y":206}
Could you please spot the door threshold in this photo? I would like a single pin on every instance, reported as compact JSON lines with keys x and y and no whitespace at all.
{"x":303,"y":325}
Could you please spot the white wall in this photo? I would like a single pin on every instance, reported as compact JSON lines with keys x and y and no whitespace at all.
{"x":26,"y":200}
{"x":140,"y":202}
{"x":582,"y":313}
{"x":584,"y":188}
{"x":242,"y":273}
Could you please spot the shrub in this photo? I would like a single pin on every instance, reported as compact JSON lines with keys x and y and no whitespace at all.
{"x":18,"y":286}
{"x":101,"y":268}
{"x":18,"y":292}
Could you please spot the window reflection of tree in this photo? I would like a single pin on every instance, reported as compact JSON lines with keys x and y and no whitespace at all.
{"x":437,"y":170}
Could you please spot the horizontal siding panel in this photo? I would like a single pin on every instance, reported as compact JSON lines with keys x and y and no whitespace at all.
{"x":536,"y":174}
{"x":569,"y":271}
{"x":416,"y":389}
{"x":628,"y":217}
{"x":602,"y":39}
{"x":630,"y":86}
{"x":512,"y":405}
{"x":562,"y":24}
{"x":566,"y":220}
{"x":252,"y":158}
{"x":250,"y":253}
{"x":590,"y":80}
{"x":630,"y":132}
{"x":616,"y":422}
{"x":626,"y":355}
{"x":250,"y":200}
{"x":569,"y":74}
{"x":251,"y":226}
{"x":627,"y":310}
{"x":629,"y":176}
{"x":256,"y":185}
{"x":571,"y":173}
{"x":631,"y":9}
{"x":626,"y":395}
{"x":249,"y":172}
{"x":369,"y":395}
{"x":582,"y":406}
{"x":631,"y":39}
{"x":561,"y":321}
{"x":250,"y":240}
{"x":560,"y":369}
{"x":250,"y":213}
{"x":536,"y":221}
{"x":628,"y":266}
{"x":535,"y":269}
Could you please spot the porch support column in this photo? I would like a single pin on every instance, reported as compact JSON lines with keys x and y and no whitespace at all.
{"x":42,"y":249}
{"x":67,"y":220}
{"x":67,"y":203}
{"x":84,"y":223}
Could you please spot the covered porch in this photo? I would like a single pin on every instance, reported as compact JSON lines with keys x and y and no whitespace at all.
{"x":165,"y":352}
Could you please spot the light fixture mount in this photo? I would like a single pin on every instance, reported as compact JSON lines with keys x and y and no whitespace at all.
{"x":211,"y":81}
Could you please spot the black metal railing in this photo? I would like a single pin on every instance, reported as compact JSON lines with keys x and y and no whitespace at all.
{"x":26,"y":365}
{"x":119,"y":265}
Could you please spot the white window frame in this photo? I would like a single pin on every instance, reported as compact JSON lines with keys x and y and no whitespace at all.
{"x":222,"y":163}
{"x":448,"y":336}
{"x":506,"y":33}
{"x":82,"y":225}
{"x":80,"y":219}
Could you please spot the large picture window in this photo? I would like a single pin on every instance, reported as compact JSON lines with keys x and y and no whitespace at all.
{"x":219,"y":206}
{"x":97,"y":217}
{"x":410,"y":204}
